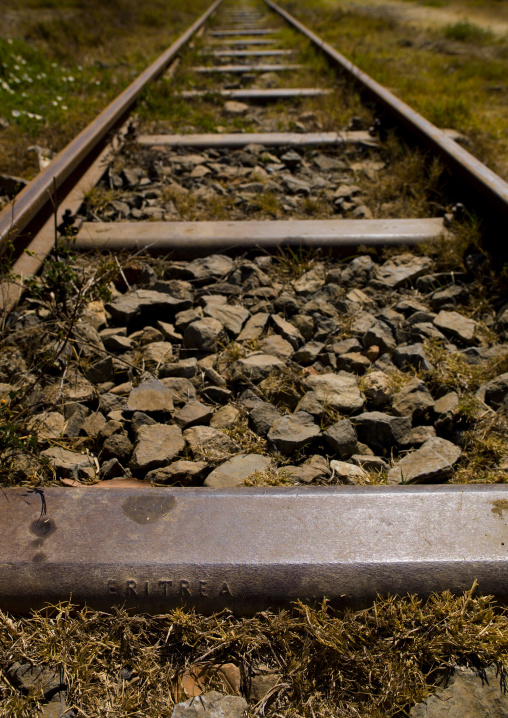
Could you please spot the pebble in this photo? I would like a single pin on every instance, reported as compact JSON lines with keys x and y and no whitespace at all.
{"x":216,"y":342}
{"x":150,"y":396}
{"x":211,"y":705}
{"x":292,"y":432}
{"x":235,"y":471}
{"x":156,"y":445}
{"x":432,"y":463}
{"x":467,"y":695}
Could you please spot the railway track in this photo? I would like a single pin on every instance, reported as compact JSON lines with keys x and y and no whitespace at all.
{"x":266,"y":425}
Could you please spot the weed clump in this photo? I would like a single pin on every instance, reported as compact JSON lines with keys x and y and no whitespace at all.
{"x":396,"y":652}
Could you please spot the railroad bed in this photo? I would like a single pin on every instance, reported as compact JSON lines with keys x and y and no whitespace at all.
{"x":254,"y":371}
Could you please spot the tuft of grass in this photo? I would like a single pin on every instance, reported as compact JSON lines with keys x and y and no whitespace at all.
{"x":250,"y":442}
{"x":270,"y":477}
{"x":466,"y":31}
{"x":398,"y":650}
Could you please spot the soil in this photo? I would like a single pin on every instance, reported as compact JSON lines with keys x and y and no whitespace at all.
{"x":490,"y":16}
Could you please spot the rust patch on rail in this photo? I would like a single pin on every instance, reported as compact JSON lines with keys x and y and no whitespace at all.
{"x":145,"y":509}
{"x":499,"y":506}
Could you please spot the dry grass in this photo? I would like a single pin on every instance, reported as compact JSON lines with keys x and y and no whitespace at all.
{"x":395,"y":651}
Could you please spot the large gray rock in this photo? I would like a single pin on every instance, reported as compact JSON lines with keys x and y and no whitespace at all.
{"x":182,"y":390}
{"x":69,"y":464}
{"x":206,"y":269}
{"x":210,"y":442}
{"x":150,"y":396}
{"x":382,"y":431}
{"x":48,"y":425}
{"x":287,"y":330}
{"x":258,"y":366}
{"x":339,"y":391}
{"x":117,"y":446}
{"x":235,"y":471}
{"x":276,"y":346}
{"x":156,"y":445}
{"x":341,"y":438}
{"x":262,"y":416}
{"x":308,"y":353}
{"x":411,"y":355}
{"x":211,"y":704}
{"x":182,"y":473}
{"x":457,"y":326}
{"x":254,"y":327}
{"x":379,"y":334}
{"x":225,"y":418}
{"x":192,"y":414}
{"x":493,"y":393}
{"x":202,"y":335}
{"x":467,"y":695}
{"x":353,"y":362}
{"x":157,"y":353}
{"x":186,"y":368}
{"x":358,"y":271}
{"x":432,"y":463}
{"x":47,"y":679}
{"x":414,"y":399}
{"x":101,"y":371}
{"x":449,"y":298}
{"x":445,"y":410}
{"x":292,"y":432}
{"x":401,"y":269}
{"x":347,"y":473}
{"x":232,"y":317}
{"x":75,"y":389}
{"x":130,"y":305}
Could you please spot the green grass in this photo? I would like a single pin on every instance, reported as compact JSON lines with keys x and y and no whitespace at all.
{"x":465,"y":31}
{"x":450,"y":88}
{"x":60,"y":67}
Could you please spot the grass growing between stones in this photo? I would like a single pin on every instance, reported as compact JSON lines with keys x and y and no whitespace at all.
{"x":376,"y":662}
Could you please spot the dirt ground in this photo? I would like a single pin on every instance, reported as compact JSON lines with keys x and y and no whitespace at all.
{"x":491,"y":16}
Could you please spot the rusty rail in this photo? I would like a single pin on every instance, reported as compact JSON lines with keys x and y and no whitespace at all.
{"x":477,"y":175}
{"x":37,"y":194}
{"x":250,"y":548}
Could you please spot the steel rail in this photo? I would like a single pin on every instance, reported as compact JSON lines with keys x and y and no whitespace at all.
{"x":37,"y":194}
{"x":493,"y":188}
{"x":248,"y":549}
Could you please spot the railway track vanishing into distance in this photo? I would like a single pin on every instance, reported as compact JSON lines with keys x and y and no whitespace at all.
{"x":312,"y":369}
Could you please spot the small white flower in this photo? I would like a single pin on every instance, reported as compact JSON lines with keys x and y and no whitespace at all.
{"x":23,"y":94}
{"x":59,"y":98}
{"x":9,"y":41}
{"x":17,"y":67}
{"x":70,"y":78}
{"x":97,"y":82}
{"x":64,"y":107}
{"x":16,"y":113}
{"x":55,"y":103}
